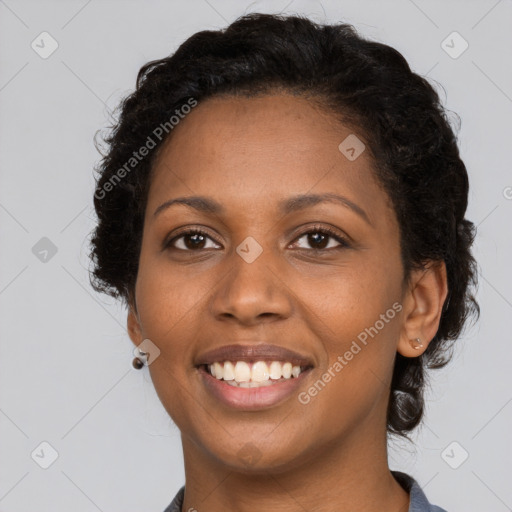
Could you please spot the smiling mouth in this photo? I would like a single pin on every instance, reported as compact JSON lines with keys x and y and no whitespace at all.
{"x":244,"y":374}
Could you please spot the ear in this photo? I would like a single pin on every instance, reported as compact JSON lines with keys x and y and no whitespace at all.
{"x":423,"y":305}
{"x":134,"y":327}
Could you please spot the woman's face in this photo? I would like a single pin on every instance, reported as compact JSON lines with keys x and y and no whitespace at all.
{"x":264,"y":273}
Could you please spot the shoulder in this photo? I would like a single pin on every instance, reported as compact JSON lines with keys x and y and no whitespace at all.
{"x":419,"y":501}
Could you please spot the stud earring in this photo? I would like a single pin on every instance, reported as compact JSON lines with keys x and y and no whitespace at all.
{"x":416,"y":343}
{"x":139,"y":362}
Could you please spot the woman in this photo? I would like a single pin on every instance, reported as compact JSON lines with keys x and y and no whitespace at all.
{"x":281,"y":209}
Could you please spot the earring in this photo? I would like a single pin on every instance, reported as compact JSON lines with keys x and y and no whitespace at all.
{"x":138,"y":362}
{"x":416,"y":343}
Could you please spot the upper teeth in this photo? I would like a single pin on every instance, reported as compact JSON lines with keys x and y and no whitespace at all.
{"x":255,"y":372}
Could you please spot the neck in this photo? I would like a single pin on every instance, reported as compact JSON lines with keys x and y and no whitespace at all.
{"x":341,"y":477}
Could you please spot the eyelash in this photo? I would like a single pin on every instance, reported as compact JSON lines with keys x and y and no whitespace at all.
{"x":315,"y":229}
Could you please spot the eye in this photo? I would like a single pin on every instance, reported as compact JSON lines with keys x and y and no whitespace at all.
{"x":318,"y":237}
{"x":197,"y":239}
{"x":190,"y":240}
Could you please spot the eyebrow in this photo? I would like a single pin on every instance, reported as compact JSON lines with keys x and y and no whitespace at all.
{"x":292,"y":204}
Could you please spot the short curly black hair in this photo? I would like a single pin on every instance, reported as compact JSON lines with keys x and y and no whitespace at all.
{"x":372,"y":89}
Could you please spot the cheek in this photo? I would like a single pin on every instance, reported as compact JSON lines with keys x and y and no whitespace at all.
{"x":166,"y":298}
{"x":352,"y":384}
{"x":343,"y":301}
{"x":356,"y":314}
{"x":166,"y":309}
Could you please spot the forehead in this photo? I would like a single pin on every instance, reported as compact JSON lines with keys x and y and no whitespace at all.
{"x":248,"y":150}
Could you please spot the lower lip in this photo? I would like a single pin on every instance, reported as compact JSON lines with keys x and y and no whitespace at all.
{"x":252,"y":398}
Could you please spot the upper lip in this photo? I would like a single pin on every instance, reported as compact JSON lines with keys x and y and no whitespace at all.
{"x":253,"y":353}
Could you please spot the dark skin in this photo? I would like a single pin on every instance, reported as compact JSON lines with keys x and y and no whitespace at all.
{"x":248,"y":154}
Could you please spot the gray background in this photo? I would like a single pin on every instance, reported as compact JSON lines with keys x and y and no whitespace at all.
{"x":65,"y":356}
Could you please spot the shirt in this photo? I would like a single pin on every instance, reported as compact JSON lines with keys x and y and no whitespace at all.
{"x":419,"y":502}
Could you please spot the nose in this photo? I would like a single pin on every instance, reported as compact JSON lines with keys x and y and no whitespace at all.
{"x":252,"y":293}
